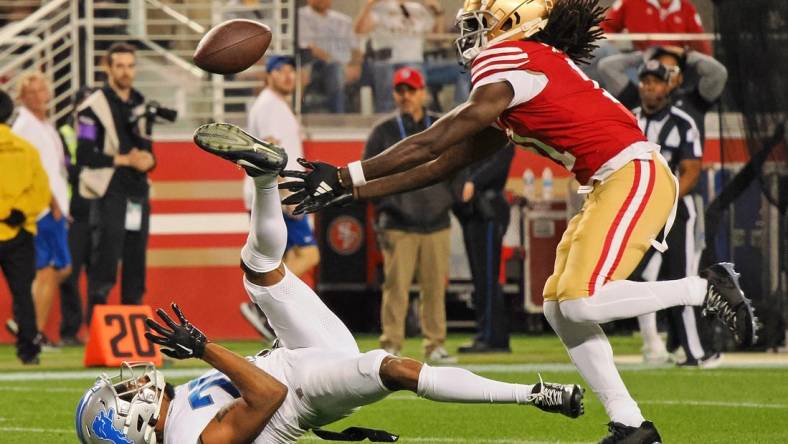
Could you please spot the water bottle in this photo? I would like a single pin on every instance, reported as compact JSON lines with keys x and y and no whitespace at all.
{"x":547,"y":184}
{"x":528,"y":184}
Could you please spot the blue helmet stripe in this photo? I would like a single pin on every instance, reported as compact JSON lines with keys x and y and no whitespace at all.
{"x":80,"y":409}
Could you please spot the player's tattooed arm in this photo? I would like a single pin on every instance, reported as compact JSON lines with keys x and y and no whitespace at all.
{"x":483,"y":107}
{"x":261,"y":396}
{"x":480,"y":146}
{"x":224,"y":411}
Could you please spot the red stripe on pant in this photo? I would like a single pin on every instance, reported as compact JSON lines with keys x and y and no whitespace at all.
{"x":649,"y":189}
{"x":612,"y":231}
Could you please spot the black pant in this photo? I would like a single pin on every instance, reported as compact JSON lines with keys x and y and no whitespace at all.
{"x":112,"y":243}
{"x":483,"y":239}
{"x":18,"y":262}
{"x":70,"y":299}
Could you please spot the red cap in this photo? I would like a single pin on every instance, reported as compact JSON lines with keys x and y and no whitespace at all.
{"x":409,"y":76}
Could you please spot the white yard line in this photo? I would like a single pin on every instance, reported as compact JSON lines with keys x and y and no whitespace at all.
{"x":407,"y":439}
{"x":40,"y":389}
{"x":752,"y":405}
{"x":481,"y":368}
{"x":34,"y":430}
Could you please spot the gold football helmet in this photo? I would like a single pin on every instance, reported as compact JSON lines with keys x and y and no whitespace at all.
{"x":486,"y":22}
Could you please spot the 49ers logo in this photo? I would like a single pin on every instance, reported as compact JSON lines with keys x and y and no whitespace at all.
{"x":345,"y":235}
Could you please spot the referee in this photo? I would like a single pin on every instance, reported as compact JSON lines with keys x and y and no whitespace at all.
{"x":678,"y":135}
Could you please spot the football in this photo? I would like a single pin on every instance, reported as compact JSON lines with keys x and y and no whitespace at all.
{"x":232,"y":46}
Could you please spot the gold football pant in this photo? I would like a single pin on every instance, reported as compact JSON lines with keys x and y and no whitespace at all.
{"x":614,"y":229}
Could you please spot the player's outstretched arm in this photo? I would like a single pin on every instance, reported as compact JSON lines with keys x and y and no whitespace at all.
{"x":481,"y":145}
{"x":483,"y":107}
{"x":261,"y":394}
{"x":323,"y":185}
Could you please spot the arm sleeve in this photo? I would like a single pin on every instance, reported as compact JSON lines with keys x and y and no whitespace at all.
{"x":613,"y":71}
{"x":691,"y":147}
{"x":695,"y":25}
{"x":38,"y":194}
{"x":614,"y":22}
{"x":493,"y":168}
{"x":90,"y":142}
{"x":713,"y":75}
{"x":305,"y":35}
{"x":526,"y":85}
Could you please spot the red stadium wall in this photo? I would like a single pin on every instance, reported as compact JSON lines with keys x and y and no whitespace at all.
{"x":193,"y":257}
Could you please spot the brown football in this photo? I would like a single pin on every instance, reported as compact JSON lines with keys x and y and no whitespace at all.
{"x":232,"y":46}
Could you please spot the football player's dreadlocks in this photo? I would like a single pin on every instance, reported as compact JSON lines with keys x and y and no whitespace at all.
{"x":573,"y":27}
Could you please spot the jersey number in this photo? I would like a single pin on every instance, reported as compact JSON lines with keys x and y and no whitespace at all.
{"x":594,"y":82}
{"x":196,"y":388}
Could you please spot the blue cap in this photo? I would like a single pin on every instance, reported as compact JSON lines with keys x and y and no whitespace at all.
{"x":275,"y":62}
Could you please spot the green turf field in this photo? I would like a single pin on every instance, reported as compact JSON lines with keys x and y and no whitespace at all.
{"x":744,"y":402}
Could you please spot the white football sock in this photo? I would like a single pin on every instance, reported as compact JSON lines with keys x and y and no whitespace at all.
{"x":592,"y":355}
{"x":451,"y":384}
{"x":628,"y":299}
{"x":652,"y":343}
{"x":267,"y":238}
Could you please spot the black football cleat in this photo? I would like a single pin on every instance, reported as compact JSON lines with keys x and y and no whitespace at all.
{"x":566,"y":399}
{"x":725,"y":300}
{"x":234,"y":144}
{"x":621,"y":434}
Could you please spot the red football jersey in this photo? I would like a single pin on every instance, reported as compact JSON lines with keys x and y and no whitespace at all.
{"x":572,"y":120}
{"x":656,"y":16}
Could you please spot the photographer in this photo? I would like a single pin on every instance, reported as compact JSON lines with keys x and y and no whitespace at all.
{"x":114,"y":151}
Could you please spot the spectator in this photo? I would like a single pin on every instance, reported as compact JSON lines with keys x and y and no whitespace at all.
{"x":271,"y":118}
{"x":331,"y":52}
{"x":696,"y":84}
{"x":397,"y":29}
{"x":413,"y":230}
{"x":78,"y":233}
{"x":116,"y":155}
{"x":53,"y":258}
{"x":656,"y":16}
{"x":483,"y":212}
{"x":677,"y":134}
{"x":24,"y":194}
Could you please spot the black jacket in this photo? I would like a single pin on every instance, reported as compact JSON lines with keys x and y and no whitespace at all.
{"x":420,"y":211}
{"x":489,"y":180}
{"x":90,"y":143}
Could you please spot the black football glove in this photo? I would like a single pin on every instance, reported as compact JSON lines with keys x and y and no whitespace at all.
{"x":318,"y":188}
{"x":15,"y":219}
{"x":182,"y":341}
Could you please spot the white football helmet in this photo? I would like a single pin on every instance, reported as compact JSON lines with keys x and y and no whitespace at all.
{"x":123,"y":409}
{"x":485,"y":22}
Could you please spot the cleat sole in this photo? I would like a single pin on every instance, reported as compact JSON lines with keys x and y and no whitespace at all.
{"x":234,"y":144}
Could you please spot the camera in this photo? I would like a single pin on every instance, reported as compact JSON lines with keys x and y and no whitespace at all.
{"x":152,"y":112}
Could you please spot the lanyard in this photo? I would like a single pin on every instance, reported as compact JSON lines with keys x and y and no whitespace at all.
{"x":401,"y":125}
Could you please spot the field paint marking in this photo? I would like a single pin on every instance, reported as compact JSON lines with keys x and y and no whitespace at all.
{"x":39,"y":389}
{"x":34,"y":430}
{"x":480,"y":368}
{"x":754,"y":405}
{"x":458,"y":440}
{"x":88,"y":374}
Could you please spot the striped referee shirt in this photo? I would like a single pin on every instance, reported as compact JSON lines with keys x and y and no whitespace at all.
{"x":674,"y":131}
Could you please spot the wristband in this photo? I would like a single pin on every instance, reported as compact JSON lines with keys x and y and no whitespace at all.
{"x":339,"y":179}
{"x":357,"y":174}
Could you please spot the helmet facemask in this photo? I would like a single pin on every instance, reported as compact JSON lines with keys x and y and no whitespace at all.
{"x":473,"y":27}
{"x":484,"y":23}
{"x":126,"y":406}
